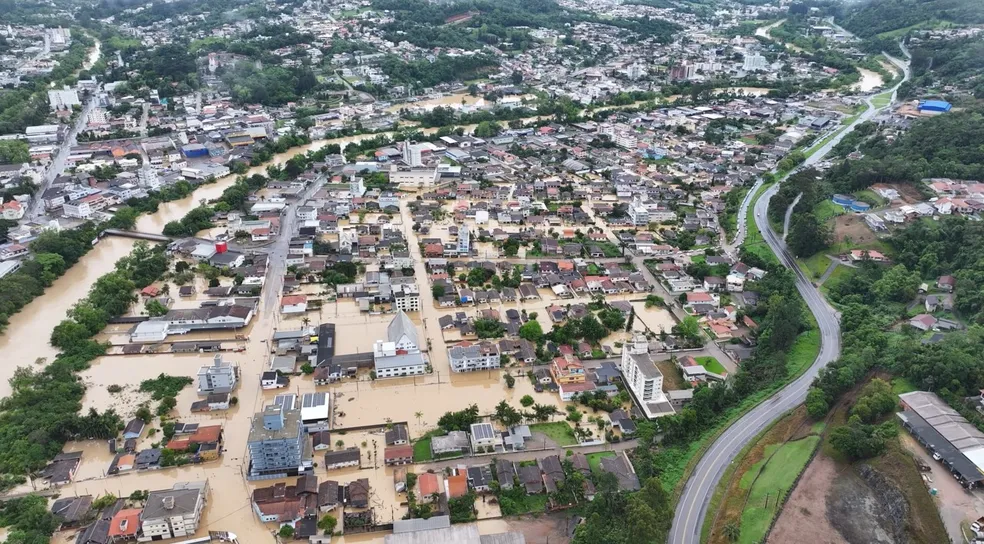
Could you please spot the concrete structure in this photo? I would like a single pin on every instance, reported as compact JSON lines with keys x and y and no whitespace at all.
{"x":173,"y":513}
{"x":63,"y":99}
{"x":399,"y":354}
{"x":643,"y":379}
{"x":754,"y":62}
{"x":221,"y":377}
{"x":951,"y":439}
{"x":437,"y":532}
{"x":467,"y":356}
{"x":277,"y":446}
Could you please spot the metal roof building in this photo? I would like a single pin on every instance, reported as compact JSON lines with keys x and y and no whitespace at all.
{"x":943,"y":431}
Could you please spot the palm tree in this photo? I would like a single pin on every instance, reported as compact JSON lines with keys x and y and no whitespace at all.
{"x":306,"y":321}
{"x":418,"y":415}
{"x":732,"y":531}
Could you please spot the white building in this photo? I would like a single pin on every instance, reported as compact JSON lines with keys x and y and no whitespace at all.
{"x":754,"y":63}
{"x":483,"y":437}
{"x":464,"y":241}
{"x":468,"y":356}
{"x":406,"y":297}
{"x":638,"y":212}
{"x":62,"y":99}
{"x":644,"y":379}
{"x":399,"y":354}
{"x":413,"y":178}
{"x":220,"y":377}
{"x":173,"y":513}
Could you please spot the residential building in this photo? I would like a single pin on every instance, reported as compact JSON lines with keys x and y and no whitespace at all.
{"x":638,"y":213}
{"x":464,"y":241}
{"x":644,"y":379}
{"x":221,"y":377}
{"x":277,"y":444}
{"x":468,"y":356}
{"x":399,"y":354}
{"x":173,"y":513}
{"x":349,"y":457}
{"x":484,"y":438}
{"x":453,"y":442}
{"x":406,"y":297}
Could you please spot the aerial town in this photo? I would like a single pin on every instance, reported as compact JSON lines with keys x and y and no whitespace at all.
{"x":491,"y":272}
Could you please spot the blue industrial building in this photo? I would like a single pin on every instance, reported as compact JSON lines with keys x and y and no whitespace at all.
{"x":192,"y":151}
{"x":934,"y":106}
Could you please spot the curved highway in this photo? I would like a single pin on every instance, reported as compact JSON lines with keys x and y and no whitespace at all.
{"x":692,"y":508}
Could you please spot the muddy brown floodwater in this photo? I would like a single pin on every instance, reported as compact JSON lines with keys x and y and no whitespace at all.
{"x":418,"y":401}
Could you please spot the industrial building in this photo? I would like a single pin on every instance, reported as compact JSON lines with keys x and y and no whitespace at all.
{"x":951,"y":439}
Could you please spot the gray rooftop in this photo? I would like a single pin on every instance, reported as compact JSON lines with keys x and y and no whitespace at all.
{"x":184,"y":495}
{"x":646,"y":365}
{"x":401,"y":325}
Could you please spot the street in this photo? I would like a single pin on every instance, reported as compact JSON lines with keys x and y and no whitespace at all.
{"x":692,"y":508}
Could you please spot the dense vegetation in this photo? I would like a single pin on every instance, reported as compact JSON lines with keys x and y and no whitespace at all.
{"x":807,"y":234}
{"x":937,"y":63}
{"x":30,"y":437}
{"x":444,"y":69}
{"x":872,"y":299}
{"x":868,"y":19}
{"x":942,"y":146}
{"x":617,"y":517}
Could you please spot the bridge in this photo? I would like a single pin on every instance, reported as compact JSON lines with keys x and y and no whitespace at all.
{"x":137,"y":235}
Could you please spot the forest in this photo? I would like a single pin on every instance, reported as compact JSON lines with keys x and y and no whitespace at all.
{"x":937,"y":63}
{"x":943,"y":146}
{"x":868,"y":19}
{"x":444,"y":69}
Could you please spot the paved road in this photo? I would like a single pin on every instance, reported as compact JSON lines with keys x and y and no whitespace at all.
{"x":789,"y":216}
{"x":57,"y":165}
{"x":692,"y":508}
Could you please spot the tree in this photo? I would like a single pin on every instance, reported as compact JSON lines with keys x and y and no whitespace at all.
{"x":460,"y":420}
{"x":507,"y":415}
{"x":592,"y":330}
{"x":897,"y":285}
{"x":437,"y":291}
{"x":526,"y":401}
{"x":689,"y":328}
{"x":287,"y":531}
{"x":167,"y":404}
{"x":531,"y":331}
{"x":612,"y":319}
{"x":816,"y":403}
{"x":68,"y":334}
{"x":510,"y":381}
{"x":807,"y":235}
{"x":155,"y":308}
{"x":14,"y":152}
{"x":858,"y":440}
{"x":731,"y":531}
{"x":489,"y":328}
{"x":327,"y":524}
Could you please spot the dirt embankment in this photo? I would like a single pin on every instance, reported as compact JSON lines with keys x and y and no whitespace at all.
{"x":882,"y":500}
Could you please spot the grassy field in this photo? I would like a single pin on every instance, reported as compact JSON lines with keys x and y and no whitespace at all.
{"x":754,"y":242}
{"x":839,"y":274}
{"x":815,"y":266}
{"x":924,"y":25}
{"x":774,"y":478}
{"x":763,"y":472}
{"x":515,"y":502}
{"x":594,"y":459}
{"x":827,"y":210}
{"x":711,"y":364}
{"x":558,"y":431}
{"x":901,"y":385}
{"x":882,"y":100}
{"x":803,"y":352}
{"x":422,"y":450}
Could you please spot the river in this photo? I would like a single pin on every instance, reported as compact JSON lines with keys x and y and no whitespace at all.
{"x":763,"y":32}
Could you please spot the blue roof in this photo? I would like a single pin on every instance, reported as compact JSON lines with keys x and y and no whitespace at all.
{"x":941,"y":105}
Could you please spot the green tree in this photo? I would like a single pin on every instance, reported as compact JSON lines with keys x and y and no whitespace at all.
{"x":897,"y":285}
{"x":327,"y":524}
{"x":592,"y":330}
{"x":526,"y":401}
{"x":816,"y":403}
{"x":731,"y":531}
{"x":531,"y":331}
{"x":14,"y":152}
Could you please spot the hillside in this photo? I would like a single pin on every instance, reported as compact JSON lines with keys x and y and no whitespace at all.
{"x":875,"y":17}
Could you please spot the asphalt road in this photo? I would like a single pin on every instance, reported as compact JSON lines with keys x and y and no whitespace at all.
{"x":57,"y":165}
{"x":692,"y":507}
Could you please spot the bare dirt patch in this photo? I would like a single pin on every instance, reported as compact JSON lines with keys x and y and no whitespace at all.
{"x":805,"y":511}
{"x":671,"y":375}
{"x":852,"y":227}
{"x":542,"y":528}
{"x":908,"y":192}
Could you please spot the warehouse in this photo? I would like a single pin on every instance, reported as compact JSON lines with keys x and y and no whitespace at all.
{"x":934,"y":106}
{"x":951,"y":439}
